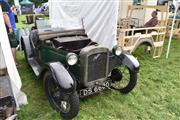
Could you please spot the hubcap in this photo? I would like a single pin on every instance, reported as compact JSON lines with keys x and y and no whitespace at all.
{"x":125,"y":78}
{"x":65,"y":107}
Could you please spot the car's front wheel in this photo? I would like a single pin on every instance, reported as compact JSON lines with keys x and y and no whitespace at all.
{"x":68,"y":106}
{"x":123,"y":79}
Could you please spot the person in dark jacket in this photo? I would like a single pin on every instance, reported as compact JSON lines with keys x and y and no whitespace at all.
{"x":153,"y":21}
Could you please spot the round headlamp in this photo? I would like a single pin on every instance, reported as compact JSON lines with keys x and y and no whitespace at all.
{"x":71,"y":59}
{"x":117,"y":50}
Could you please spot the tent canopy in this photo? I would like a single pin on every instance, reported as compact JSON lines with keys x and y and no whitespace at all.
{"x":26,"y":2}
{"x":16,"y":2}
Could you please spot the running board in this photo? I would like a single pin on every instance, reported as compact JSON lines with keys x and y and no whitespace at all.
{"x":35,"y":66}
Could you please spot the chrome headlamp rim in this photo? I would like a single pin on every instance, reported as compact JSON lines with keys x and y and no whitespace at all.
{"x":71,"y":59}
{"x":117,"y":50}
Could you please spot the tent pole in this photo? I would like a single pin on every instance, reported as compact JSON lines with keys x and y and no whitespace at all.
{"x":172,"y":28}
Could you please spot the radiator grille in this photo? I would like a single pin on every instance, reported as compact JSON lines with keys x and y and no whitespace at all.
{"x":97,"y":66}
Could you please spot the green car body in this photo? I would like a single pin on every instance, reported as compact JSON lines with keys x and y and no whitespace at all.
{"x":96,"y":67}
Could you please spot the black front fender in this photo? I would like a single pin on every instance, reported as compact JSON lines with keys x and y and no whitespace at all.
{"x":124,"y":59}
{"x":130,"y":61}
{"x":62,"y":77}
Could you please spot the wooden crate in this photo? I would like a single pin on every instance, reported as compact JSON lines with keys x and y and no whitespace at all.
{"x":129,"y":38}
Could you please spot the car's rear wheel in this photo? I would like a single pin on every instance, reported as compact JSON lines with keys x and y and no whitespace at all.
{"x":67,"y":106}
{"x":123,"y":79}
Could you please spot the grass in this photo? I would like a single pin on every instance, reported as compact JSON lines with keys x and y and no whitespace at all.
{"x":155,"y":97}
{"x":22,"y":22}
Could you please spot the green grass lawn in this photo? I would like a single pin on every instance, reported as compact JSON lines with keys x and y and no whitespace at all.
{"x":155,"y":97}
{"x":22,"y":22}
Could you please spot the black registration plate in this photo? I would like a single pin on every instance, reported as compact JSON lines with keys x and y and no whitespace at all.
{"x":94,"y":89}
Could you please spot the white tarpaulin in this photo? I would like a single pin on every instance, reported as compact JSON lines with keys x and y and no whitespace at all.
{"x":99,"y":18}
{"x":16,"y":2}
{"x":8,"y":61}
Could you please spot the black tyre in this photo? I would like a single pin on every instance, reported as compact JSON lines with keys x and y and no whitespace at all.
{"x":124,"y":80}
{"x":68,"y":106}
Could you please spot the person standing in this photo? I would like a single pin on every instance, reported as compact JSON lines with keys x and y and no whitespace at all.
{"x":10,"y":26}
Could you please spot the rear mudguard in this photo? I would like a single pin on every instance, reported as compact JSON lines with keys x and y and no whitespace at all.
{"x":130,"y":61}
{"x":62,"y":77}
{"x":147,"y":41}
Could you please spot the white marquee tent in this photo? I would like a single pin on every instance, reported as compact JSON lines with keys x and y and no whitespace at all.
{"x":99,"y":18}
{"x":16,"y":2}
{"x":6,"y":61}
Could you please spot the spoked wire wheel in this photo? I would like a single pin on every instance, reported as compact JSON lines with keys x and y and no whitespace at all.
{"x":67,"y":106}
{"x":124,"y":80}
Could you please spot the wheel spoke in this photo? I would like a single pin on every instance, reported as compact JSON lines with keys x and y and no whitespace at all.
{"x":54,"y":91}
{"x":125,"y":78}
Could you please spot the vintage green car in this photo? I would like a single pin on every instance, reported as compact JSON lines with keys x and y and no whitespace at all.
{"x":74,"y":67}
